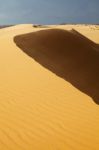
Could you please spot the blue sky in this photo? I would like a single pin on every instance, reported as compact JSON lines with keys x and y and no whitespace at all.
{"x":49,"y":11}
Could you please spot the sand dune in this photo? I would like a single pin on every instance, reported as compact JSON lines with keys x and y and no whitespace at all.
{"x":49,"y":88}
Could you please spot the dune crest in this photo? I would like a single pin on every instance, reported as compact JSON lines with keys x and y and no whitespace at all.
{"x":68,"y":54}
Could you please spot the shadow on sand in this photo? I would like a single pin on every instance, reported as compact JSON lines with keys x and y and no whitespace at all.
{"x":68,"y":54}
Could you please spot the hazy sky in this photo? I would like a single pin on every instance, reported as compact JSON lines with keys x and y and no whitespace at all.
{"x":49,"y":11}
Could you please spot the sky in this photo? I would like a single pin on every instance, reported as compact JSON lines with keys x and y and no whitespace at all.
{"x":49,"y":11}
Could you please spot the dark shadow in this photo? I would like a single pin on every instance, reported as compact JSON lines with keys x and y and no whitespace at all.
{"x":39,"y":26}
{"x":68,"y":54}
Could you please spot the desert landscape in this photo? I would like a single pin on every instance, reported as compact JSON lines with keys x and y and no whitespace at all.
{"x":49,"y":87}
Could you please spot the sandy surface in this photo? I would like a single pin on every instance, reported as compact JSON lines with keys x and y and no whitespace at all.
{"x":40,"y":108}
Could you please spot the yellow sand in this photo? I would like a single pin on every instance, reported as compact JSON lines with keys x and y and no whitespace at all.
{"x":38,"y":109}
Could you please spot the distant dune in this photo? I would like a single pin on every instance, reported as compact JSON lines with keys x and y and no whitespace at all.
{"x":5,"y":26}
{"x":49,"y":87}
{"x":68,"y":54}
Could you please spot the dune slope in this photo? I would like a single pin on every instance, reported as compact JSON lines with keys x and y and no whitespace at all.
{"x":41,"y":107}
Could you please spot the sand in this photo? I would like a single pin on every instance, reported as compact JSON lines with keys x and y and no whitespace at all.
{"x":49,"y":83}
